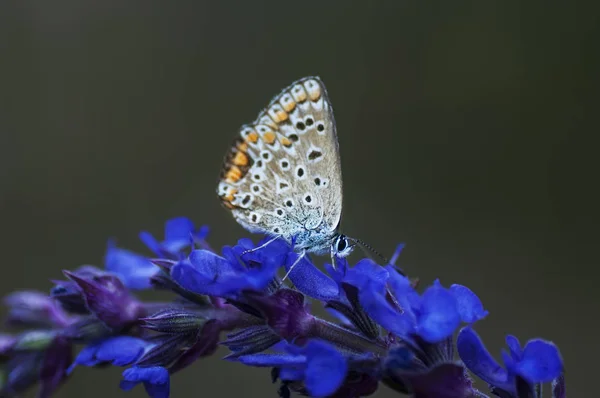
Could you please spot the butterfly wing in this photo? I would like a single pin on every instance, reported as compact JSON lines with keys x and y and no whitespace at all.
{"x":283,"y":174}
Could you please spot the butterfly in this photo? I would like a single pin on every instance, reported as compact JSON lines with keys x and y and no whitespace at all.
{"x":282,"y":176}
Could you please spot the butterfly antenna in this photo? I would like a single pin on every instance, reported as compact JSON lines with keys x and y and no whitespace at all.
{"x":368,"y":249}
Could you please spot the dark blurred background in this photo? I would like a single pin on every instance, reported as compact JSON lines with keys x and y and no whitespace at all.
{"x":465,"y":131}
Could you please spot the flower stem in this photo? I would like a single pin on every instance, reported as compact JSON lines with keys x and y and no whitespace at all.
{"x":346,"y":338}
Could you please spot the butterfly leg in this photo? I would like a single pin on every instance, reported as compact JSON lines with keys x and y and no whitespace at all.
{"x":267,"y":243}
{"x":300,"y":257}
{"x":333,"y":259}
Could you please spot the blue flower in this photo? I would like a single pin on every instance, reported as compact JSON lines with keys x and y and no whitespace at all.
{"x":388,"y":332}
{"x":133,"y":269}
{"x":180,"y":233}
{"x":319,"y":365}
{"x":155,"y":379}
{"x":119,"y":351}
{"x":389,"y":298}
{"x":538,"y":362}
{"x":205,"y":272}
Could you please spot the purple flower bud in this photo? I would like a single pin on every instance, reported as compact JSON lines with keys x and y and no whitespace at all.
{"x":108,"y":299}
{"x":54,"y":366}
{"x":34,"y":309}
{"x":7,"y":342}
{"x":285,"y":312}
{"x":173,"y":321}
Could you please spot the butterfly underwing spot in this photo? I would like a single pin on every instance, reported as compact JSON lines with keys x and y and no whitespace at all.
{"x":278,"y":114}
{"x":256,"y":188}
{"x":267,"y":135}
{"x":249,"y":135}
{"x":314,"y":154}
{"x":276,"y":230}
{"x":308,"y":199}
{"x":284,"y":164}
{"x":300,"y":172}
{"x":314,"y":89}
{"x":287,"y":103}
{"x":321,"y":182}
{"x":289,"y":202}
{"x":254,"y":217}
{"x":299,"y":93}
{"x":320,"y":128}
{"x":266,"y":155}
{"x":309,"y":121}
{"x":281,"y":185}
{"x":300,"y":126}
{"x":258,"y":176}
{"x":279,"y":213}
{"x":267,"y":121}
{"x":245,"y":201}
{"x":227,"y":195}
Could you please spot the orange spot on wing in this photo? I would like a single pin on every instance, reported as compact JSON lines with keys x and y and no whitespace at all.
{"x":233,"y":174}
{"x":242,"y":147}
{"x":289,"y":106}
{"x":252,"y":137}
{"x":315,"y":94}
{"x":285,"y":142}
{"x":300,"y":96}
{"x":282,"y":116}
{"x":269,"y":137}
{"x":240,"y":159}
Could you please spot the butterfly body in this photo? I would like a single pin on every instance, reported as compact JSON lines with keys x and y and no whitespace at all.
{"x":282,"y":175}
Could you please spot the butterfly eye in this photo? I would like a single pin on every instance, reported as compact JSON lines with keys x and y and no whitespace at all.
{"x":342,"y":246}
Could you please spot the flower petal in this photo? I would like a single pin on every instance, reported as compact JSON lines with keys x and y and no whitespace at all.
{"x":310,"y":280}
{"x":516,"y":352}
{"x":120,"y":351}
{"x":541,"y":362}
{"x":469,"y":306}
{"x":366,"y":270}
{"x":134,"y":270}
{"x":151,"y":243}
{"x":210,"y":264}
{"x":377,"y":307}
{"x":188,"y":277}
{"x":178,"y":228}
{"x":272,"y":254}
{"x":325,"y":369}
{"x":155,"y":379}
{"x":438,"y":317}
{"x":479,"y":361}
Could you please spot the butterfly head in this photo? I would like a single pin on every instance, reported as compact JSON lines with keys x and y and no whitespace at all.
{"x":342,"y":246}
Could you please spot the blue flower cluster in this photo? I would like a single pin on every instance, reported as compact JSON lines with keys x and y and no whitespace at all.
{"x":380,"y":330}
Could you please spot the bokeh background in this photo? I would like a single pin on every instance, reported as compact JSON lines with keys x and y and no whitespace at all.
{"x":466,"y":131}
